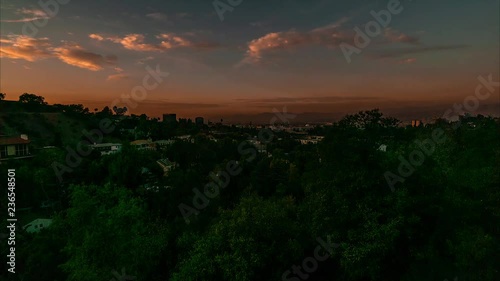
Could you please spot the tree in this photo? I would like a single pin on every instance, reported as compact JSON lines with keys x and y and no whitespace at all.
{"x":33,"y":102}
{"x":119,"y":110}
{"x":258,"y":240}
{"x":368,"y":119}
{"x":2,"y":96}
{"x":32,"y":99}
{"x":109,"y":229}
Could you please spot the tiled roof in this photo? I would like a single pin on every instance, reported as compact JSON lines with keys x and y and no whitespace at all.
{"x":13,"y":140}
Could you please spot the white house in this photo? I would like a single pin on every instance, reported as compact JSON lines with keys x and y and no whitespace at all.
{"x":37,"y":225}
{"x":107,"y":148}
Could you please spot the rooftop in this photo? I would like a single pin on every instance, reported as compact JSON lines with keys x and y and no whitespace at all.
{"x":13,"y":140}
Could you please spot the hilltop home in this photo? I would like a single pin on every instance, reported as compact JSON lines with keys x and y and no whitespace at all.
{"x":14,"y":147}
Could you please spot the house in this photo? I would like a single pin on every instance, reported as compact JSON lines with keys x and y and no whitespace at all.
{"x":261,"y":146}
{"x":14,"y":147}
{"x":37,"y":225}
{"x":107,"y":148}
{"x":164,"y":143}
{"x":312,"y":140}
{"x":143,"y":144}
{"x":166,"y":165}
{"x":187,"y":138}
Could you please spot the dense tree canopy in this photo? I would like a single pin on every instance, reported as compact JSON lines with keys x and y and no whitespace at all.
{"x":436,"y":219}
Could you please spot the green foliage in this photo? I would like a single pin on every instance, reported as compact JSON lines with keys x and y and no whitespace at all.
{"x":441,"y":221}
{"x":108,"y":230}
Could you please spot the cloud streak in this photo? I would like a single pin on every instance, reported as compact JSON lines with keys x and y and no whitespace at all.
{"x":117,"y":77}
{"x":33,"y":49}
{"x":167,"y":41}
{"x":29,"y":15}
{"x":75,"y":55}
{"x":329,"y":36}
{"x":25,"y":47}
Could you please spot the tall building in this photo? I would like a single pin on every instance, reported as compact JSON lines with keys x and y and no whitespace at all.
{"x":170,"y":118}
{"x":199,"y":121}
{"x":416,"y":123}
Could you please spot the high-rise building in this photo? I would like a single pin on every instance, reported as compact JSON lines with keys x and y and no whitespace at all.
{"x":170,"y":118}
{"x":416,"y":123}
{"x":199,"y":121}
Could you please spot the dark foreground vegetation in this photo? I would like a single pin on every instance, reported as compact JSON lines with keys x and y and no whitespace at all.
{"x":431,"y":219}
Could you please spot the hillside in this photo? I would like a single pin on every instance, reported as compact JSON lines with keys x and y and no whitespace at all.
{"x":42,"y":127}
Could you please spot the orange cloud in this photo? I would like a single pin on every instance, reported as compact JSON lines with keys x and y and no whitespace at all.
{"x":115,"y":77}
{"x":96,"y":37}
{"x":77,"y":56}
{"x":330,"y":36}
{"x":32,"y":49}
{"x":25,"y":47}
{"x":136,"y":42}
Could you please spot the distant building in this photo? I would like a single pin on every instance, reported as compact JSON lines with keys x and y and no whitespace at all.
{"x":14,"y":147}
{"x":187,"y":138}
{"x":312,"y":140}
{"x":143,"y":144}
{"x":416,"y":123}
{"x":261,"y":146}
{"x":170,"y":118}
{"x":107,"y":148}
{"x":164,"y":143}
{"x":166,"y":165}
{"x":37,"y":225}
{"x":199,"y":121}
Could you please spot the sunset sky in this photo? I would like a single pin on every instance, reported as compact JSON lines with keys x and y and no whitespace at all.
{"x":261,"y":55}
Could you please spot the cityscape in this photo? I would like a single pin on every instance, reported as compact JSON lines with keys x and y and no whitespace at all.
{"x":250,"y":140}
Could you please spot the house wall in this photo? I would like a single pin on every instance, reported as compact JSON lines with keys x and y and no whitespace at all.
{"x":13,"y":150}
